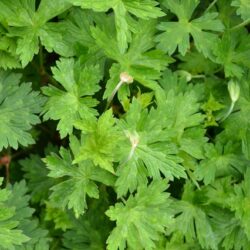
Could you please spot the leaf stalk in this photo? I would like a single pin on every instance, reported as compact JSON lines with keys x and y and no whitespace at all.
{"x":238,"y":26}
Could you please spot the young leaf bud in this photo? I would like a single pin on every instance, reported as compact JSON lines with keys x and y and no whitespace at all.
{"x":186,"y":75}
{"x":125,"y":77}
{"x":234,"y":90}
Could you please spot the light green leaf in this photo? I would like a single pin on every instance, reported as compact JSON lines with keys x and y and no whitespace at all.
{"x":143,"y":9}
{"x":72,"y":36}
{"x":26,"y":22}
{"x":78,"y":180}
{"x":240,"y":203}
{"x":141,"y":61}
{"x":192,"y":220}
{"x":177,"y":34}
{"x":19,"y":106}
{"x":243,"y":8}
{"x":90,"y":231}
{"x":221,"y":160}
{"x":232,"y":52}
{"x":75,"y":101}
{"x":195,"y":63}
{"x":27,"y":223}
{"x":8,"y":55}
{"x":100,"y":141}
{"x":10,"y":236}
{"x":38,"y":184}
{"x":193,"y":141}
{"x":181,"y":111}
{"x":136,"y":218}
{"x":148,"y":151}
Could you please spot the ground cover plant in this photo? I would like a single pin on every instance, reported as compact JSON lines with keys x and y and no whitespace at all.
{"x":125,"y":124}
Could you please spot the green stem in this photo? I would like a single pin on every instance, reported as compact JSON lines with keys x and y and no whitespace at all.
{"x":52,"y":80}
{"x":131,"y":153}
{"x":38,"y":69}
{"x":210,"y":6}
{"x":43,"y":72}
{"x":198,"y":76}
{"x":123,"y":200}
{"x":21,"y":152}
{"x":238,"y":26}
{"x":191,"y":175}
{"x":7,"y":171}
{"x":218,"y":70}
{"x":110,"y":99}
{"x":229,"y":111}
{"x":7,"y":166}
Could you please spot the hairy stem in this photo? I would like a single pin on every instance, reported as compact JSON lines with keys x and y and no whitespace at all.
{"x":7,"y":172}
{"x":229,"y":111}
{"x":238,"y":26}
{"x":198,"y":76}
{"x":110,"y":99}
{"x":131,"y":153}
{"x":210,"y":6}
{"x":123,"y":200}
{"x":41,"y":60}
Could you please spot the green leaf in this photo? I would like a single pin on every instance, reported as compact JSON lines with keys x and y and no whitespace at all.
{"x":27,"y":46}
{"x":91,"y":230}
{"x":72,"y":36}
{"x":78,"y":181}
{"x":221,"y":160}
{"x":141,"y":61}
{"x":193,"y":141}
{"x":71,"y":192}
{"x":8,"y":56}
{"x":27,"y":224}
{"x":128,"y":119}
{"x":178,"y":242}
{"x":238,"y":121}
{"x":18,"y":229}
{"x":232,"y":52}
{"x":148,"y":151}
{"x":122,"y":10}
{"x":181,"y":111}
{"x":26,"y":24}
{"x":141,"y":219}
{"x":60,"y":217}
{"x":212,"y":105}
{"x":195,"y":63}
{"x":228,"y":230}
{"x":75,"y":101}
{"x":19,"y":106}
{"x":240,"y":203}
{"x":100,"y":141}
{"x":243,"y":8}
{"x":177,"y":34}
{"x":49,"y":9}
{"x":38,"y":184}
{"x":218,"y":192}
{"x":246,"y":144}
{"x":192,"y":220}
{"x":10,"y":236}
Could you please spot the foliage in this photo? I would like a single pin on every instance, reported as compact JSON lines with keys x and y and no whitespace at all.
{"x":125,"y":124}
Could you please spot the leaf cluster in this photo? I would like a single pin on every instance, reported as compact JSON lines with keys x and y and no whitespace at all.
{"x":125,"y":124}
